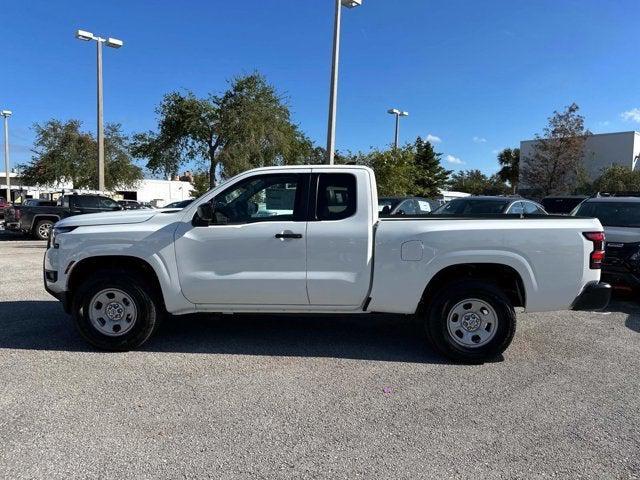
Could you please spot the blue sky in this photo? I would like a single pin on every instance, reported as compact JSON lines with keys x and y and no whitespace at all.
{"x":480,"y":76}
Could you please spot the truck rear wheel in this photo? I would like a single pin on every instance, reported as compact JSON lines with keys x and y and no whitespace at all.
{"x":470,"y":321}
{"x":115,"y":311}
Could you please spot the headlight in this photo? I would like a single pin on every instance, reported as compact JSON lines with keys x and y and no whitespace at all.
{"x":55,"y":231}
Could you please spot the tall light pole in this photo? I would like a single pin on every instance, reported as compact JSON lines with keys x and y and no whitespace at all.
{"x":6,"y":114}
{"x":398,"y":114}
{"x":333,"y":93}
{"x":113,"y":43}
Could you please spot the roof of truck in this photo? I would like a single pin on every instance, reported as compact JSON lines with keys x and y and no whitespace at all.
{"x":613,"y":199}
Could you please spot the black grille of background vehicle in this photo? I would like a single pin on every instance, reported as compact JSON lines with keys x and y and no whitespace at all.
{"x":617,"y":255}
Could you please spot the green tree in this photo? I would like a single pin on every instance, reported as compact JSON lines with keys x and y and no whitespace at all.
{"x":64,"y":153}
{"x":509,"y":160}
{"x":120,"y":171}
{"x":201,"y":184}
{"x":477,"y":183}
{"x":618,"y":178}
{"x":430,"y":175}
{"x":394,"y":168}
{"x":555,"y":162}
{"x":247,"y":126}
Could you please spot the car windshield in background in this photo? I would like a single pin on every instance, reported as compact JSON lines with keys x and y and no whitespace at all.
{"x":472,"y":207}
{"x":388,"y":202}
{"x":90,"y":201}
{"x":612,"y":214}
{"x":180,"y":204}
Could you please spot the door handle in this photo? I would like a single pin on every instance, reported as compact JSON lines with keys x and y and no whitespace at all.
{"x":288,"y":235}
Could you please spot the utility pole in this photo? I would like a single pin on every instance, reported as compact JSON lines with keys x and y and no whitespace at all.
{"x":333,"y":91}
{"x":113,"y":43}
{"x":398,"y":114}
{"x":6,"y":114}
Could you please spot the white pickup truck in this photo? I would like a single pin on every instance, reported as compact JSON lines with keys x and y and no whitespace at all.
{"x":308,"y":239}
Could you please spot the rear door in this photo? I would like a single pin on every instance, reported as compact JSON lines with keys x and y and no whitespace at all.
{"x":339,"y":237}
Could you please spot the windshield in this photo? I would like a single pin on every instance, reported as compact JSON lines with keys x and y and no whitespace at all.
{"x":464,"y":206}
{"x":612,"y":214}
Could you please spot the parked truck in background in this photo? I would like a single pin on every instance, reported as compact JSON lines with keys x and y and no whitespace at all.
{"x":308,"y":239}
{"x":37,"y":219}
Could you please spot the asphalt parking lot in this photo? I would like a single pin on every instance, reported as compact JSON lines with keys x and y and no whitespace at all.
{"x":321,"y":397}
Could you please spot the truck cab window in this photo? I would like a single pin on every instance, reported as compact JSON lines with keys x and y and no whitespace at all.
{"x":260,"y":199}
{"x":336,"y":196}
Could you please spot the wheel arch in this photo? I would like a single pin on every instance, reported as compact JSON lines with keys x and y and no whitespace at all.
{"x":84,"y":268}
{"x":504,"y":276}
{"x":43,"y":216}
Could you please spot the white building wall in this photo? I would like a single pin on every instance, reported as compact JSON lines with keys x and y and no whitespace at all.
{"x":601,"y":151}
{"x":162,"y":192}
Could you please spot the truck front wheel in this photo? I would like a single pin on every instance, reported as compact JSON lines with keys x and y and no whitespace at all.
{"x":470,"y":321}
{"x":115,"y":311}
{"x":42,"y":229}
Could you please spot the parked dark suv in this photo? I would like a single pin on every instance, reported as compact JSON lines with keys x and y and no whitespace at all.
{"x":620,"y":217}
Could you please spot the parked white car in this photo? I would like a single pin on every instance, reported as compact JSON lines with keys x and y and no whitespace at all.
{"x":325,"y":250}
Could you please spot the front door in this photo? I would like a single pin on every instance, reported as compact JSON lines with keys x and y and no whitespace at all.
{"x":254,"y":252}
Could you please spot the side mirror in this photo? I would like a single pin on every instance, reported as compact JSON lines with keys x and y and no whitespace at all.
{"x":205,"y":212}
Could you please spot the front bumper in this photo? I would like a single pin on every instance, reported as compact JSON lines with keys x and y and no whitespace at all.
{"x":620,"y":276}
{"x":594,"y":296}
{"x":12,"y":225}
{"x":64,"y":297}
{"x":53,"y":283}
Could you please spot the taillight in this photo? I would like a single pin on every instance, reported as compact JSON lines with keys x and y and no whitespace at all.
{"x":16,"y":213}
{"x":597,"y":255}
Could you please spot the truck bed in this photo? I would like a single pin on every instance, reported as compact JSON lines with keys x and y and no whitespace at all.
{"x":534,"y":246}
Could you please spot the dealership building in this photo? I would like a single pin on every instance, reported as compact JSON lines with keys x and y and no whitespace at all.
{"x":601,"y":151}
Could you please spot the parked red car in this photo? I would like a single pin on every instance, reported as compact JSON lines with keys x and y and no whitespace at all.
{"x":3,"y":204}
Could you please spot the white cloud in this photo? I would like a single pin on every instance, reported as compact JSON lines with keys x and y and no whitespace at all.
{"x":452,"y":159}
{"x":433,"y":138}
{"x":479,"y":140}
{"x":496,"y":151}
{"x":605,"y":123}
{"x":631,"y":115}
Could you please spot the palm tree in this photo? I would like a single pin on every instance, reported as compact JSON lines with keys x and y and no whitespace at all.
{"x":509,"y":160}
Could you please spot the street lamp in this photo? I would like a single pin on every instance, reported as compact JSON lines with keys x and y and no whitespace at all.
{"x":398,"y":114}
{"x":333,"y":92}
{"x":113,"y":43}
{"x":6,"y":114}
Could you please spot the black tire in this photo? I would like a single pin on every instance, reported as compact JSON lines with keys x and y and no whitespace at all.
{"x":435,"y":316}
{"x":149,"y":310}
{"x":40,"y":227}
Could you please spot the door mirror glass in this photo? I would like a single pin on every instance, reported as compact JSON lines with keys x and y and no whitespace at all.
{"x":205,"y":212}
